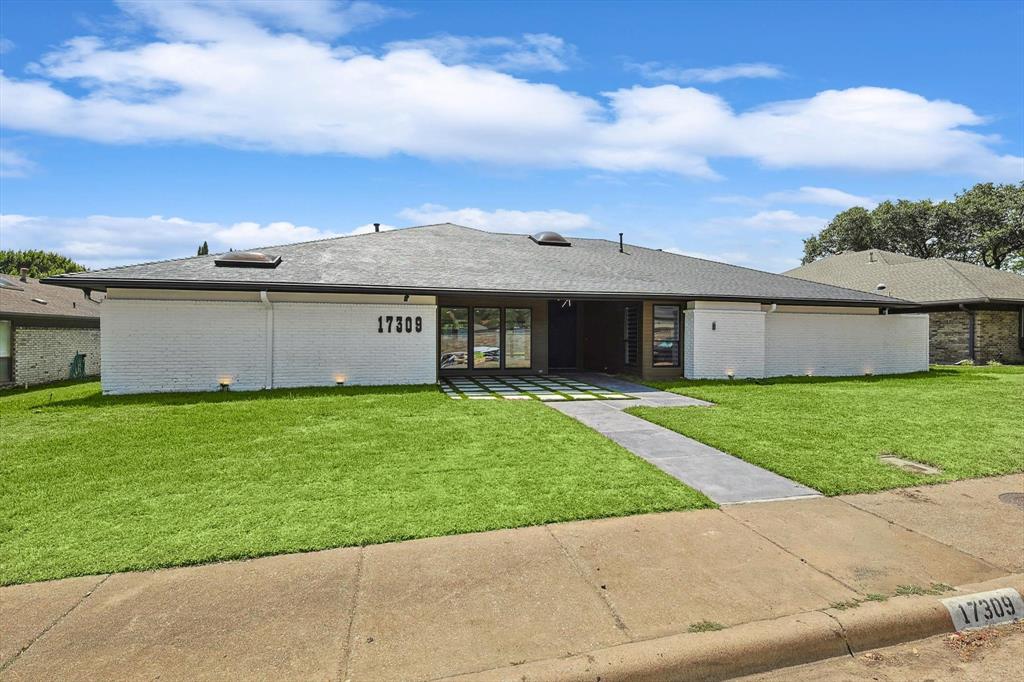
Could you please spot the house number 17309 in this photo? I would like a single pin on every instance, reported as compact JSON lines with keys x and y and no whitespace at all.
{"x":396,"y":324}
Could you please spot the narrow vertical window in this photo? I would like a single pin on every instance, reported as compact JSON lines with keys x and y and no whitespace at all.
{"x":454,"y":338}
{"x":486,"y":338}
{"x":518,"y":328}
{"x":666,"y":336}
{"x":630,"y":334}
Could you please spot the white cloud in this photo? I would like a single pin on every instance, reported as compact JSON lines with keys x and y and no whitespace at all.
{"x":530,"y":52}
{"x":216,"y":19}
{"x":232,"y":77}
{"x":103,"y":241}
{"x":716,"y":74}
{"x":771,"y":221}
{"x":499,"y":220}
{"x":822,"y":196}
{"x":14,"y":164}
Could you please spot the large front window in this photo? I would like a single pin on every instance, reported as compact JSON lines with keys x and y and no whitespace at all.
{"x":517,"y":338}
{"x":454,"y":341}
{"x":666,"y":336}
{"x":486,"y":338}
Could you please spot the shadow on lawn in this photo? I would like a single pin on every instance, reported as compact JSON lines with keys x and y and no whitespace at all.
{"x":100,"y":400}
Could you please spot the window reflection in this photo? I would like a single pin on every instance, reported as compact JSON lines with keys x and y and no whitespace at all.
{"x":486,"y":338}
{"x":517,"y":337}
{"x":666,"y":336}
{"x":454,"y":338}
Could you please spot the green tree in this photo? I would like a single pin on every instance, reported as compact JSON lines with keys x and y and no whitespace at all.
{"x":983,"y":225}
{"x":204,"y":249}
{"x":851,"y":230}
{"x":39,"y":263}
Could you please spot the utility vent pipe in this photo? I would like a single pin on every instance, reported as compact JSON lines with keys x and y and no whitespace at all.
{"x":376,"y":227}
{"x":621,"y":250}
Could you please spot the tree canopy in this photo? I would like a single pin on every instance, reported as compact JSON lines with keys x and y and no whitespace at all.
{"x":39,"y":263}
{"x":982,"y":225}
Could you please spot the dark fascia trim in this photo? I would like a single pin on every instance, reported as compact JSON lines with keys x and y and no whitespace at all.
{"x":199,"y":285}
{"x":29,"y":319}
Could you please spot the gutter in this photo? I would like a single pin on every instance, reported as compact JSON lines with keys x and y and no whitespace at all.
{"x":265,"y":300}
{"x":198,"y":285}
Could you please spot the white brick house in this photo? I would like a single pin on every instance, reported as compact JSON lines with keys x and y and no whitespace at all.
{"x":408,"y":306}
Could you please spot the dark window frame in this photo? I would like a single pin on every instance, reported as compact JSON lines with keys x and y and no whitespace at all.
{"x":678,"y":339}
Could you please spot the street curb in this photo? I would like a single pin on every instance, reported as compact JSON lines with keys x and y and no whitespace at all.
{"x":752,"y":647}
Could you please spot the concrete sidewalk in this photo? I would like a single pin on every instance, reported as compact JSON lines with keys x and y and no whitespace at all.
{"x":441,"y":607}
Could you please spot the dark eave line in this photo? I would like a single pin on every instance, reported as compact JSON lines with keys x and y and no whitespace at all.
{"x":197,"y":285}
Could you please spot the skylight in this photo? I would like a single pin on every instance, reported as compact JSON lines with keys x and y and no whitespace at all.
{"x":246,"y":259}
{"x":548,"y":238}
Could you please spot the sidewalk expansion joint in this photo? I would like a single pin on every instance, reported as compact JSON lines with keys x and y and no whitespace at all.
{"x":924,"y":535}
{"x":345,"y":665}
{"x":52,"y":625}
{"x":790,"y":552}
{"x":602,"y":594}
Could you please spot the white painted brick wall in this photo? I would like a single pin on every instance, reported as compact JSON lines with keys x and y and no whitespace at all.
{"x":736,"y":343}
{"x":840,"y":345}
{"x":315,"y":341}
{"x":154,"y":346}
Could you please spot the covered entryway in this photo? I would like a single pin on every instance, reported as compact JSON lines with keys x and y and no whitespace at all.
{"x":601,"y":336}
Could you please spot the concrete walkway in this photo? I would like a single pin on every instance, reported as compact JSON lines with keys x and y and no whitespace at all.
{"x":466,"y":604}
{"x":720,"y":476}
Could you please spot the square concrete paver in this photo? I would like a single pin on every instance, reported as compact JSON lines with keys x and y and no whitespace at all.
{"x":444,"y":606}
{"x":277,"y":618}
{"x":858,"y":548}
{"x":26,"y":611}
{"x":663,"y":572}
{"x":967,"y":515}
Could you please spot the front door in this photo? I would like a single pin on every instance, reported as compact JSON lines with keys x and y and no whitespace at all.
{"x":561,"y":335}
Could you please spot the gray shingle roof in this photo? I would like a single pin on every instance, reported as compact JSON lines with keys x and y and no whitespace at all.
{"x":450,"y":258}
{"x":931,"y":281}
{"x":23,"y":298}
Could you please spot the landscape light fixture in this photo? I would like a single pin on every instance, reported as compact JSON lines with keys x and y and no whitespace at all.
{"x":339,"y":379}
{"x":730,"y":373}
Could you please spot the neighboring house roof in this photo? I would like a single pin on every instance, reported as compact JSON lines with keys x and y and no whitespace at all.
{"x":32,"y":297}
{"x":927,"y":281}
{"x":446,"y":258}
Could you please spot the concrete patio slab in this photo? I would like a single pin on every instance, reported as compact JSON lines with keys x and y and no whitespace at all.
{"x":960,"y":515}
{"x":720,"y":476}
{"x":446,"y":606}
{"x":27,"y":611}
{"x":664,"y":572}
{"x":861,"y":550}
{"x":277,"y":618}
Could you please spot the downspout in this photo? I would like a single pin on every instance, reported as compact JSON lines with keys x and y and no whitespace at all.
{"x":970,"y":331}
{"x":265,"y":300}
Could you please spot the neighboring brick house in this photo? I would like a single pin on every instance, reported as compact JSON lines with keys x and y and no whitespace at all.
{"x":975,"y":313}
{"x":43,"y":328}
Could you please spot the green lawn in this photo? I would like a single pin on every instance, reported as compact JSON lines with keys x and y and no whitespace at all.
{"x":94,"y":483}
{"x":828,"y":433}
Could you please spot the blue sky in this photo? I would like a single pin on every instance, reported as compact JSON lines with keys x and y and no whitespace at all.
{"x":134,"y":131}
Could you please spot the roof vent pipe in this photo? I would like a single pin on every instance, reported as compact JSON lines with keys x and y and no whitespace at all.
{"x":24,"y":274}
{"x":621,"y":250}
{"x":376,"y":227}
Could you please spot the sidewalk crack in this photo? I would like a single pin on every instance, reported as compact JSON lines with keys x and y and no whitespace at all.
{"x":602,"y":594}
{"x":52,"y":625}
{"x":842,"y":631}
{"x":345,"y":665}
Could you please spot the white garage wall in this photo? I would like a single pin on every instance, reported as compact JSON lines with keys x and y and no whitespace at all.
{"x":152,"y":346}
{"x":315,"y":341}
{"x":723,"y":341}
{"x":840,"y":345}
{"x":180,"y":345}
